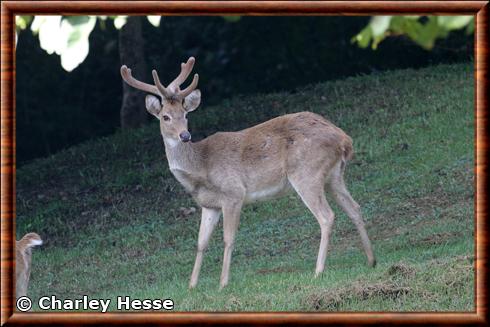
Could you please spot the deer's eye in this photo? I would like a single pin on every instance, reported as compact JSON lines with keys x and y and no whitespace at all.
{"x":166,"y":117}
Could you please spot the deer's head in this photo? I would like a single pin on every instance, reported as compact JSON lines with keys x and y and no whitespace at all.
{"x":172,"y":104}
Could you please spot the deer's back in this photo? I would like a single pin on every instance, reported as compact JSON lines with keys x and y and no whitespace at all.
{"x":280,"y":137}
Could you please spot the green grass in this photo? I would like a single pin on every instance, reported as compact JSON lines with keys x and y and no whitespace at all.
{"x":109,"y":209}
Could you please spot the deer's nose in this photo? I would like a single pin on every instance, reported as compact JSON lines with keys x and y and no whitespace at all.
{"x":185,"y":136}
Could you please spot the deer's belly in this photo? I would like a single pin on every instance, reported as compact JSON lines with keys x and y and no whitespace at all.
{"x":209,"y":195}
{"x":268,"y":192}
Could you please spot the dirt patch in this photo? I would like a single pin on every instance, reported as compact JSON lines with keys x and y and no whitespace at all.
{"x":299,"y":288}
{"x":399,"y":280}
{"x":465,"y":258}
{"x":458,"y":271}
{"x":401,"y":270}
{"x":331,"y":300}
{"x":233,"y":304}
{"x":437,"y":238}
{"x":425,"y":205}
{"x":421,"y":206}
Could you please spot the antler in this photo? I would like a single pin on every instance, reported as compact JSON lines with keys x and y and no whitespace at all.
{"x":128,"y":78}
{"x":173,"y":89}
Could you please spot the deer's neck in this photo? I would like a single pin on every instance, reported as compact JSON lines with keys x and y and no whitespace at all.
{"x":183,"y":156}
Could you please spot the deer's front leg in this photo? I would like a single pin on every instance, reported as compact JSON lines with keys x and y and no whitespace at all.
{"x":209,"y":219}
{"x":231,"y":219}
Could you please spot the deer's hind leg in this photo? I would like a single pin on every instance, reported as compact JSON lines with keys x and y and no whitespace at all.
{"x":336,"y":186}
{"x":231,"y":220}
{"x":311,"y":190}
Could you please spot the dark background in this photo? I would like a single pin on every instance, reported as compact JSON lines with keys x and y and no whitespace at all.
{"x":56,"y":109}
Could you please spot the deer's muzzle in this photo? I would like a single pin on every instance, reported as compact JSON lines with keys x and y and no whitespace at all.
{"x":185,"y":136}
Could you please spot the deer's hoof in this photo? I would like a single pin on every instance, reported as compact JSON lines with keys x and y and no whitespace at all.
{"x":372,"y":263}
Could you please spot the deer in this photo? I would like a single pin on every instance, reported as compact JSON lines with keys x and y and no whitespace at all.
{"x":300,"y":151}
{"x":23,"y":255}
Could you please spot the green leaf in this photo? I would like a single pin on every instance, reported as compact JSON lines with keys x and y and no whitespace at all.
{"x":21,"y":22}
{"x":76,"y":47}
{"x":454,"y":22}
{"x":379,"y":24}
{"x":120,"y":21}
{"x":364,"y":37}
{"x":424,"y":33}
{"x":49,"y":29}
{"x":77,"y":20}
{"x":232,"y":19}
{"x":67,"y":37}
{"x":471,"y":27}
{"x":154,"y":20}
{"x":427,"y":33}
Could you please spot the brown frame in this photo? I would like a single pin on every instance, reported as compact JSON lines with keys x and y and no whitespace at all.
{"x":11,"y":8}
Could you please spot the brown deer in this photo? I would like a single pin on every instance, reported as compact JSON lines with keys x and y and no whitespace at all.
{"x":23,"y":262}
{"x":300,"y":151}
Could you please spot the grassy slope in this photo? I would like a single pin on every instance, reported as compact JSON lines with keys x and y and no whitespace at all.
{"x":109,"y":209}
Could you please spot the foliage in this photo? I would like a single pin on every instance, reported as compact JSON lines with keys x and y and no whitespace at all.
{"x":110,"y":207}
{"x":423,"y":30}
{"x":68,"y":36}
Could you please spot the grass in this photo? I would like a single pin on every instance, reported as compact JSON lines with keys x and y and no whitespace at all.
{"x":114,"y":222}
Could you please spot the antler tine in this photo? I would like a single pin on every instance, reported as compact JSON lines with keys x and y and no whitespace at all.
{"x":185,"y":70}
{"x":190,"y":88}
{"x":164,"y":91}
{"x":128,"y":78}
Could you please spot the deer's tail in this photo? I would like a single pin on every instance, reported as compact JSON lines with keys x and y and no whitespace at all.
{"x":347,"y":148}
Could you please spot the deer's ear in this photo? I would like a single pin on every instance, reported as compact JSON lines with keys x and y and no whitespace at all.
{"x":192,"y":101}
{"x":153,"y":105}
